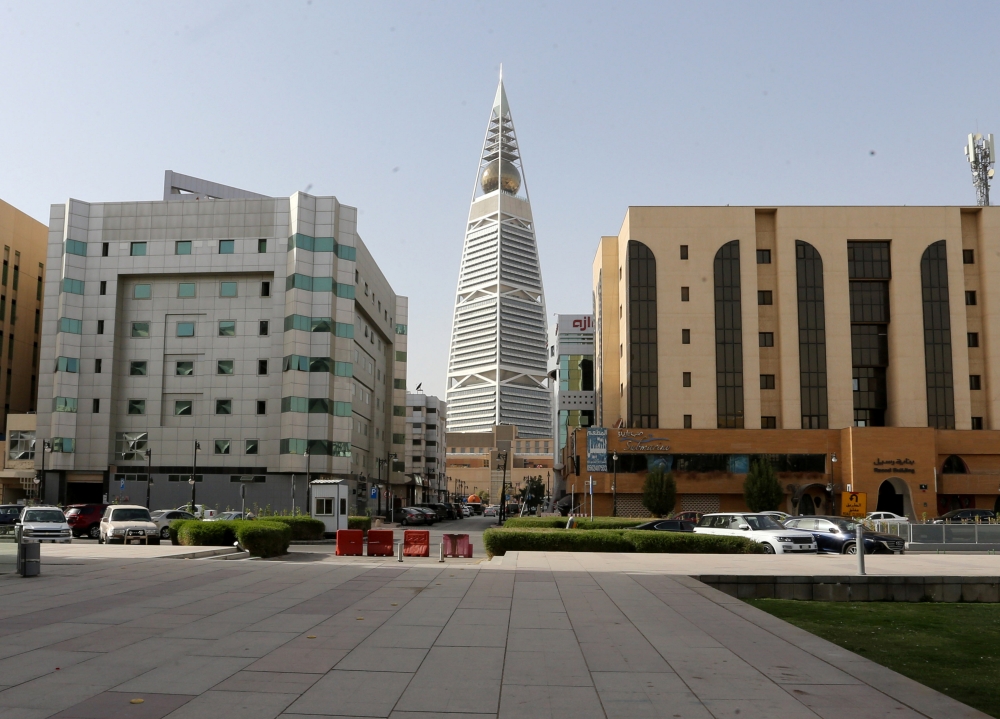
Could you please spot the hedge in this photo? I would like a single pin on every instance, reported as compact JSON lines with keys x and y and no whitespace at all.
{"x":363,"y":523}
{"x":260,"y":537}
{"x":303,"y":528}
{"x":500,"y":541}
{"x":264,"y":538}
{"x":581,"y":522}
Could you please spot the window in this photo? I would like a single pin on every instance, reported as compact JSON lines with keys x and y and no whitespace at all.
{"x":973,"y":338}
{"x":684,"y":252}
{"x":685,"y":294}
{"x":767,"y":381}
{"x":137,"y":368}
{"x":764,"y":297}
{"x":812,"y":336}
{"x":227,"y":289}
{"x":63,"y":444}
{"x":400,"y":329}
{"x":97,"y":366}
{"x":225,"y":367}
{"x":142,"y":292}
{"x":137,"y":406}
{"x":100,"y":327}
{"x":400,"y":356}
{"x":324,"y":506}
{"x":317,"y":324}
{"x":182,"y":408}
{"x":13,"y":310}
{"x":227,"y":247}
{"x":262,"y":366}
{"x":261,"y":245}
{"x":182,"y":247}
{"x":227,"y":328}
{"x":265,"y":289}
{"x":261,"y":406}
{"x":768,"y":422}
{"x":67,"y":324}
{"x":104,"y":287}
{"x":263,"y":327}
{"x":222,"y":446}
{"x":766,"y":339}
{"x":686,"y":379}
{"x":968,"y":257}
{"x":937,"y":336}
{"x":687,"y":421}
{"x":131,"y":446}
{"x":642,"y":404}
{"x":975,"y":381}
{"x":21,"y":445}
{"x":223,"y":406}
{"x":138,"y":249}
{"x":67,"y":364}
{"x":104,"y":249}
{"x":184,"y":369}
{"x":970,"y":297}
{"x":75,"y":247}
{"x":728,"y":337}
{"x":251,"y":446}
{"x":319,"y":405}
{"x":294,"y":404}
{"x":763,"y":257}
{"x":186,"y":289}
{"x":977,"y":423}
{"x":399,"y":384}
{"x":64,"y":404}
{"x":68,"y":285}
{"x":183,"y":477}
{"x":139,"y":329}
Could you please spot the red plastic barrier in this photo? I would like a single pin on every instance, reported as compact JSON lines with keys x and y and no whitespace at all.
{"x":350,"y":542}
{"x":416,"y":543}
{"x":457,"y":545}
{"x":380,"y":542}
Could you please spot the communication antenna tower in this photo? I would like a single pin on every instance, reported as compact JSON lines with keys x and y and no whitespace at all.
{"x":981,"y":156}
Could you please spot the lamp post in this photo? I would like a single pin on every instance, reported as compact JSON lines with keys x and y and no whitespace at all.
{"x":829,"y":486}
{"x":194,"y":473}
{"x":614,"y":486}
{"x":149,"y":474}
{"x":40,"y":480}
{"x":502,"y":461}
{"x":308,"y":473}
{"x":293,"y":495}
{"x":390,"y":511}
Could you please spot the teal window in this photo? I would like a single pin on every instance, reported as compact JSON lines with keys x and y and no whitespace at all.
{"x":137,"y":249}
{"x":400,"y":329}
{"x":294,"y":404}
{"x":319,"y":405}
{"x":344,"y":330}
{"x":75,"y":247}
{"x":346,"y":252}
{"x":143,"y":292}
{"x":311,"y":324}
{"x":227,"y":247}
{"x":399,"y":384}
{"x":182,"y":408}
{"x":223,"y":406}
{"x":398,"y":411}
{"x":400,"y":356}
{"x":63,"y":444}
{"x":399,"y":439}
{"x":262,"y":246}
{"x":320,"y":364}
{"x":186,"y":289}
{"x":137,"y":406}
{"x":185,"y":329}
{"x":342,"y":409}
{"x":140,"y":329}
{"x":225,"y":367}
{"x":68,"y":324}
{"x":222,"y":446}
{"x":67,"y":364}
{"x":295,"y":362}
{"x":343,"y":369}
{"x":73,"y":286}
{"x":182,"y":247}
{"x":184,"y":369}
{"x":137,"y":368}
{"x":346,"y":291}
{"x":227,"y":328}
{"x":292,"y":446}
{"x":64,"y":404}
{"x":227,"y":289}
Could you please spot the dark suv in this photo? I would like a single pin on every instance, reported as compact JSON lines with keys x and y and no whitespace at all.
{"x":85,"y":519}
{"x":441,"y":510}
{"x":958,"y":516}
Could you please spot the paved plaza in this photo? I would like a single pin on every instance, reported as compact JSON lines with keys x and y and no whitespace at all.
{"x":527,"y":635}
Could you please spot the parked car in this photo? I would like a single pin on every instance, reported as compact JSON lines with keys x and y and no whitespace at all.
{"x":9,"y":514}
{"x":85,"y":519}
{"x":411,"y":515}
{"x":958,"y":516}
{"x":490,"y":511}
{"x":689,"y":516}
{"x":128,"y":524}
{"x":839,"y":535}
{"x":466,"y":510}
{"x":667,"y":525}
{"x":779,"y":516}
{"x":163,"y":517}
{"x":460,"y":512}
{"x":200,"y":511}
{"x":226,"y":516}
{"x":44,"y":524}
{"x":760,"y":528}
{"x":887,"y":517}
{"x":430,"y":515}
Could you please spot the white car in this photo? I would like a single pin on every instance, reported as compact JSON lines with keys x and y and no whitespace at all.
{"x":466,"y":510}
{"x":200,"y":510}
{"x":163,"y":517}
{"x":760,"y":528}
{"x":44,"y":524}
{"x":887,"y":517}
{"x":490,"y":511}
{"x":128,"y":524}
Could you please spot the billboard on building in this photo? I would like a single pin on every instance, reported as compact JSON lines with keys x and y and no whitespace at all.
{"x":597,"y":449}
{"x":578,"y":324}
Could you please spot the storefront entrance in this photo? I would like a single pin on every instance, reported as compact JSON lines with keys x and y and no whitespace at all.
{"x":890,"y":499}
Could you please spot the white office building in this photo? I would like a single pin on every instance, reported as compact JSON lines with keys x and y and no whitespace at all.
{"x":260,"y":328}
{"x":496,"y":371}
{"x":426,"y":424}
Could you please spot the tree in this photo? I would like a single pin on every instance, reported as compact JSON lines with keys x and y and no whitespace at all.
{"x":761,"y":489}
{"x":485,"y":496}
{"x":533,"y":492}
{"x":659,"y":492}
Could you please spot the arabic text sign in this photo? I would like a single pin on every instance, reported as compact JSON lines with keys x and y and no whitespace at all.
{"x":854,"y":504}
{"x":597,"y":449}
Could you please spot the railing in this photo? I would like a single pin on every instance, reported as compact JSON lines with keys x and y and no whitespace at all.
{"x":971,"y":533}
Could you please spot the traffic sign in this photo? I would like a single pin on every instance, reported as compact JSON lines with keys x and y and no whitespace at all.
{"x":374,"y":492}
{"x":854,"y":504}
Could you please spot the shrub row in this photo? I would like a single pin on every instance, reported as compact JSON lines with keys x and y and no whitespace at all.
{"x":261,"y":537}
{"x":303,"y":528}
{"x":500,"y":541}
{"x":364,"y":523}
{"x":581,"y":522}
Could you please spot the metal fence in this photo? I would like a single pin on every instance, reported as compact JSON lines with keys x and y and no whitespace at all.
{"x":940,"y":533}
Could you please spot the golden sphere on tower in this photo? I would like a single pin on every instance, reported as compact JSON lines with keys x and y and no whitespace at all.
{"x":509,"y":177}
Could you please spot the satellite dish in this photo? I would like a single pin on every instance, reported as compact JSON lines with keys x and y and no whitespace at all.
{"x":978,"y":137}
{"x":990,"y":173}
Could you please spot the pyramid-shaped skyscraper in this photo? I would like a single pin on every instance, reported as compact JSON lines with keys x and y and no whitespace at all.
{"x":497,"y":364}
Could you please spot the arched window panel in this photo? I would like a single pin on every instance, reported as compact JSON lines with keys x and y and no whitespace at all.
{"x":812,"y":336}
{"x":728,"y":336}
{"x":643,"y":399}
{"x":937,"y":337}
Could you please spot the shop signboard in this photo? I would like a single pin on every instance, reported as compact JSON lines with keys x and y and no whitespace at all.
{"x":597,"y":449}
{"x":854,"y":504}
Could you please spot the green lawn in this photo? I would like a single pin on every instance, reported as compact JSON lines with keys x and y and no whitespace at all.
{"x":953,"y":648}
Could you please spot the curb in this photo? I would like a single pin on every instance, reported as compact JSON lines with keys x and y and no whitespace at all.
{"x":204,"y":553}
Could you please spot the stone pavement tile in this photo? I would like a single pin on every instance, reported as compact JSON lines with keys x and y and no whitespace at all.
{"x":117,"y":615}
{"x":380,"y":659}
{"x":186,"y":675}
{"x":38,"y":662}
{"x":120,"y":665}
{"x":540,"y":640}
{"x":552,"y":669}
{"x":274,"y":682}
{"x":539,"y":620}
{"x":720,"y":674}
{"x":105,"y":641}
{"x":244,"y":705}
{"x":51,"y":693}
{"x":865,"y":702}
{"x":638,"y":695}
{"x":785,"y":707}
{"x":537,"y":605}
{"x":285,"y":622}
{"x":544,"y":702}
{"x":469,"y":635}
{"x":476,"y":602}
{"x":117,"y":705}
{"x":19,"y":713}
{"x":410,"y":636}
{"x":623,"y":658}
{"x":351,"y":694}
{"x":301,"y":655}
{"x":481,"y":617}
{"x":159,"y":621}
{"x":371,"y":619}
{"x":536,"y":590}
{"x":245,"y":644}
{"x":346,"y":633}
{"x":436,"y":715}
{"x":204,"y":628}
{"x":443,"y":680}
{"x":425,"y":611}
{"x":47,"y":636}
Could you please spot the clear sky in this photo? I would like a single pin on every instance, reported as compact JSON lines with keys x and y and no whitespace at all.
{"x":385,"y":105}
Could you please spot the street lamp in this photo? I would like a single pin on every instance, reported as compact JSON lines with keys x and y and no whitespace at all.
{"x":390,"y":512}
{"x":149,"y":474}
{"x":194,"y":473}
{"x":40,"y":481}
{"x":614,"y":486}
{"x":308,"y":474}
{"x":502,"y":461}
